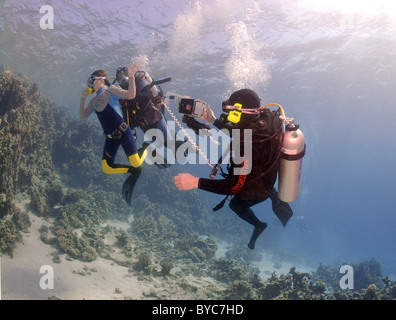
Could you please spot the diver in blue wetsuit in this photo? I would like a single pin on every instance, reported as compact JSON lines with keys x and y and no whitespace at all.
{"x":117,"y":133}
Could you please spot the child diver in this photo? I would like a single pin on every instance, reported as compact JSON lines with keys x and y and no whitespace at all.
{"x":117,"y":133}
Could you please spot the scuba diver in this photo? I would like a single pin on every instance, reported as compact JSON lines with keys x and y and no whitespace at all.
{"x":146,"y":110}
{"x":117,"y":132}
{"x":256,"y":184}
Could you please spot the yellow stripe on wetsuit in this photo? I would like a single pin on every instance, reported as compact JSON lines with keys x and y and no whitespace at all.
{"x":135,"y":160}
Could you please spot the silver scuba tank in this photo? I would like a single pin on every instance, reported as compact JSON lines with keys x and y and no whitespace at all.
{"x":290,"y":170}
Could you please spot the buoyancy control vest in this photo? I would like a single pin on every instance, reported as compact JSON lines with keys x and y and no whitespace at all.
{"x":267,"y":145}
{"x":143,"y":111}
{"x":266,"y":149}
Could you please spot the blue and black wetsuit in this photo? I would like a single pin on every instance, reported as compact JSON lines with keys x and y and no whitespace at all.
{"x":117,"y":132}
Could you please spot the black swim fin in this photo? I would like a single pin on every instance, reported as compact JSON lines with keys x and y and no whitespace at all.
{"x":280,"y":208}
{"x":129,"y":184}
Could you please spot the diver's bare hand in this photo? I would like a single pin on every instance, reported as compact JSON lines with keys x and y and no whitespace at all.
{"x":208,"y":115}
{"x":133,"y":69}
{"x":185,"y":181}
{"x":84,"y":94}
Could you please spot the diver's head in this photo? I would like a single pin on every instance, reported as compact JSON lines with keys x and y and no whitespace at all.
{"x":242,"y":107}
{"x":97,"y":80}
{"x":122,"y":77}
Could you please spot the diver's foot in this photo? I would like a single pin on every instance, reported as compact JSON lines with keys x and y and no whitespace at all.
{"x":256,"y":233}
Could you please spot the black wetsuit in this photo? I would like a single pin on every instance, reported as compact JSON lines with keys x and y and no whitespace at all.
{"x":252,"y":188}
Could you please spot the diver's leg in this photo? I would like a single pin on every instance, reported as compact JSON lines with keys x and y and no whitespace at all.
{"x":128,"y":143}
{"x":242,"y":209}
{"x":109,"y":153}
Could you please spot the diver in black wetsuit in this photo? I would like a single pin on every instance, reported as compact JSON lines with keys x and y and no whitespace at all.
{"x":257,"y":175}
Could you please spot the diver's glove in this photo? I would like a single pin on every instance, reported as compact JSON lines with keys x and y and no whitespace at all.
{"x":129,"y":184}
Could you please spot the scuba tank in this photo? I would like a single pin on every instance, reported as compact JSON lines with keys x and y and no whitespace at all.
{"x":290,"y":169}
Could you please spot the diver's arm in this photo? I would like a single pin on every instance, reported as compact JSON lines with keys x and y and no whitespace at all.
{"x":84,"y":112}
{"x":185,"y":181}
{"x":232,"y":185}
{"x":131,"y":92}
{"x":132,"y":86}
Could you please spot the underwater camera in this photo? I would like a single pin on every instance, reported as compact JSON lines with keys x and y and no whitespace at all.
{"x":192,"y":107}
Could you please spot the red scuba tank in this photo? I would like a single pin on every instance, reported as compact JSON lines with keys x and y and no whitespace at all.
{"x":293,"y":151}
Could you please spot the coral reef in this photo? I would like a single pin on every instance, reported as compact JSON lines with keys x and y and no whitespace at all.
{"x":166,"y":267}
{"x":293,"y":286}
{"x":143,"y":263}
{"x":9,"y":236}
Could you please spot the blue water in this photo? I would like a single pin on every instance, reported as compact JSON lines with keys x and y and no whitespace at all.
{"x":330,"y":64}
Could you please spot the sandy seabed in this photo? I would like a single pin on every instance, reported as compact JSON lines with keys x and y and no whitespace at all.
{"x":73,"y":279}
{"x":101,"y":279}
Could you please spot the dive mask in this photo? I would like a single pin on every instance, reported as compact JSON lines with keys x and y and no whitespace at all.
{"x":122,"y":76}
{"x":91,"y":81}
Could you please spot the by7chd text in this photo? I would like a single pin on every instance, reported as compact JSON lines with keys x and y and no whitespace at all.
{"x":219,"y":309}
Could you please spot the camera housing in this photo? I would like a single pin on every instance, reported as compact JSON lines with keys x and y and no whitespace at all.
{"x":192,"y":107}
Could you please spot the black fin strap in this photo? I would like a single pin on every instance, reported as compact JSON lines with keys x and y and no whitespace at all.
{"x":220,"y":205}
